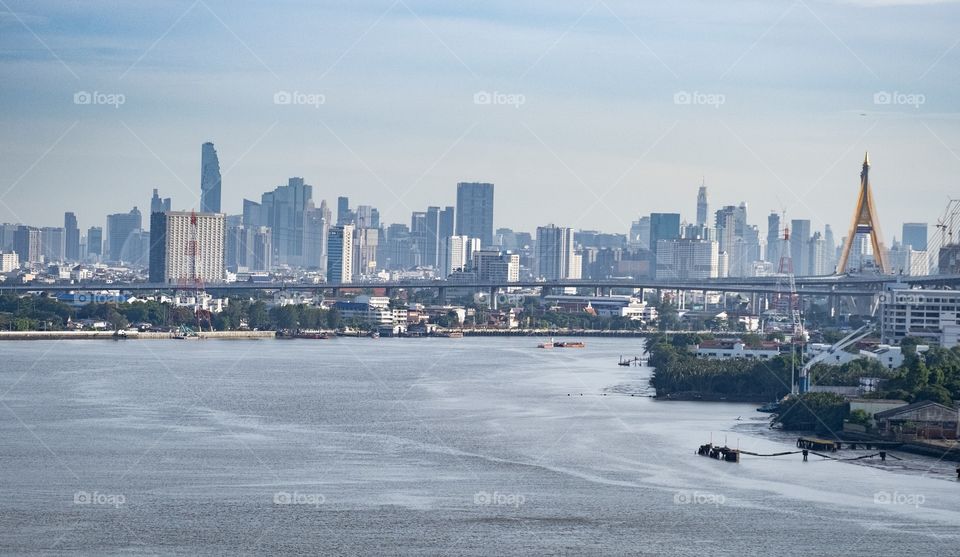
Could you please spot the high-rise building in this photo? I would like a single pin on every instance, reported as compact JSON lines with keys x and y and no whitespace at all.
{"x":915,"y":235}
{"x":120,"y":228}
{"x":774,"y":239}
{"x":555,"y":253}
{"x":95,"y":241}
{"x":702,"y":206}
{"x":640,"y":233}
{"x":663,"y":226}
{"x":818,"y":255}
{"x":366,"y":216}
{"x":687,"y":258}
{"x":800,"y":246}
{"x":158,"y":204}
{"x":366,"y":243}
{"x":27,"y":244}
{"x":260,"y":254}
{"x":209,"y":179}
{"x":397,"y":250}
{"x":71,"y":238}
{"x":315,"y":228}
{"x":496,"y":266}
{"x":344,"y":214}
{"x":7,"y":231}
{"x":187,"y":247}
{"x":283,"y":211}
{"x":9,"y":261}
{"x":252,"y":213}
{"x":340,"y":254}
{"x":474,"y":214}
{"x":456,"y":255}
{"x":52,"y":243}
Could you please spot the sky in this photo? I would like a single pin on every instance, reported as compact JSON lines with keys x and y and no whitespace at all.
{"x":583,"y":113}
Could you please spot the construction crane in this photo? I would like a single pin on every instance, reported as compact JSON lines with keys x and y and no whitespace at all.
{"x":842,"y":344}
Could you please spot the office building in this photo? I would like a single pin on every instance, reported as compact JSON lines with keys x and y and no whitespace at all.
{"x":496,"y":266}
{"x":800,"y":246}
{"x":315,"y":228}
{"x":932,"y":315}
{"x":774,"y":240}
{"x":283,"y":211}
{"x":702,"y":206}
{"x":120,"y":228}
{"x":474,"y":213}
{"x":52,"y":241}
{"x":915,"y":235}
{"x":95,"y":241}
{"x":158,"y":204}
{"x":555,"y":253}
{"x":187,"y":248}
{"x":27,"y":244}
{"x":687,"y":259}
{"x":209,"y":179}
{"x":71,"y":237}
{"x":340,"y":254}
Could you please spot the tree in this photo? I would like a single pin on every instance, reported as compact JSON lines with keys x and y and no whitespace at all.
{"x":820,"y":412}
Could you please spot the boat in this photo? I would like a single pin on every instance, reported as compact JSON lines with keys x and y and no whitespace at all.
{"x":550,"y":344}
{"x":770,"y":407}
{"x":374,"y":334}
{"x":570,"y":344}
{"x":313,"y":335}
{"x":452,"y":334}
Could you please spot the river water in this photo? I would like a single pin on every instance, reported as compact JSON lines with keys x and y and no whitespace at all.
{"x":474,"y":446}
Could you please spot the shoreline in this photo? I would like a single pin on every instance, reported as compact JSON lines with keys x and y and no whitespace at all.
{"x":130,"y":335}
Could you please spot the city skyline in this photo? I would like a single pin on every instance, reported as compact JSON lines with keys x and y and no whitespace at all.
{"x":679,"y":112}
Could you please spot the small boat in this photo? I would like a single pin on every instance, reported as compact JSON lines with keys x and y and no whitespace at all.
{"x":550,"y":344}
{"x":313,"y":335}
{"x":452,"y":334}
{"x":770,"y":407}
{"x":623,"y":362}
{"x":374,"y":334}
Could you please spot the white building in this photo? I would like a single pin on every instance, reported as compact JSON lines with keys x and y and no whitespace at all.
{"x":928,"y":314}
{"x":687,"y":258}
{"x":724,"y":350}
{"x":456,"y":256}
{"x":496,"y":266}
{"x":555,"y":253}
{"x":187,"y":247}
{"x":9,"y":262}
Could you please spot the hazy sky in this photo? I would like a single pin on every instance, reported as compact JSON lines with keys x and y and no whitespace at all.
{"x":599,"y":110}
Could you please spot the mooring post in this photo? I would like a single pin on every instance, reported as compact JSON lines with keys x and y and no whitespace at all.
{"x":883,"y":456}
{"x":805,"y":455}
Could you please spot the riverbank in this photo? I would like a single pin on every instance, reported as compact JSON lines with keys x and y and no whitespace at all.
{"x":128,"y":335}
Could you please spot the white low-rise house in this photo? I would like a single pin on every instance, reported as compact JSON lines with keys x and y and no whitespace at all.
{"x":837,"y":358}
{"x":727,"y":349}
{"x":891,"y":357}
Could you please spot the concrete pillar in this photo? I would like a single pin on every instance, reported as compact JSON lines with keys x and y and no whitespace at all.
{"x":442,"y":295}
{"x":492,"y":302}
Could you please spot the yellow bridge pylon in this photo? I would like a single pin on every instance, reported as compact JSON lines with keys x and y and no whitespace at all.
{"x":865,"y":221}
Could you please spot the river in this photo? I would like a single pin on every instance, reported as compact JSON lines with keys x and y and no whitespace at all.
{"x":473,"y":446}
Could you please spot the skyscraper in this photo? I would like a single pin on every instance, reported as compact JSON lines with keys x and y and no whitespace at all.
{"x":315,"y":228}
{"x":174,"y":259}
{"x":800,"y":246}
{"x":344,"y":214}
{"x":209,"y":179}
{"x":555,"y":253}
{"x":120,"y":227}
{"x":915,"y":235}
{"x":774,"y":239}
{"x":702,"y":206}
{"x":27,"y":245}
{"x":158,"y":204}
{"x":340,"y":254}
{"x":663,"y":226}
{"x":52,"y":243}
{"x":95,"y":241}
{"x":283,"y":211}
{"x":474,"y":214}
{"x":71,"y":249}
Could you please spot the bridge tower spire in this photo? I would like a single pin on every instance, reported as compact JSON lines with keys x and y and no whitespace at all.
{"x":865,"y":221}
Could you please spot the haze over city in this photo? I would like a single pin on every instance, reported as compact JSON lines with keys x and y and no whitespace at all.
{"x":586,"y":123}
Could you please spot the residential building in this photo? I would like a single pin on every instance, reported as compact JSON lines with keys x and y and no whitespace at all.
{"x":340,"y":254}
{"x":120,"y":228}
{"x":687,"y":259}
{"x":933,"y":315}
{"x":555,"y":253}
{"x":187,"y":247}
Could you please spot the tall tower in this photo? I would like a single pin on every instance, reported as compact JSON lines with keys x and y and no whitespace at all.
{"x":702,"y":206}
{"x":209,"y":179}
{"x":865,"y":221}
